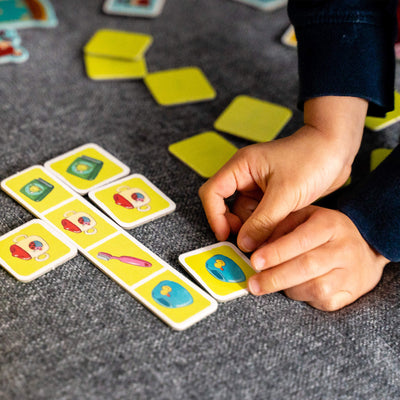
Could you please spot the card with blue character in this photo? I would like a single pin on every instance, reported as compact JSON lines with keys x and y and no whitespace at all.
{"x":222,"y":269}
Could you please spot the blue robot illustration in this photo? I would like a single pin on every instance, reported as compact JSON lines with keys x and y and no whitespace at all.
{"x":171,"y":294}
{"x":225,"y":269}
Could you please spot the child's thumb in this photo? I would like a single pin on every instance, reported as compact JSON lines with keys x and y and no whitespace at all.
{"x":259,"y":226}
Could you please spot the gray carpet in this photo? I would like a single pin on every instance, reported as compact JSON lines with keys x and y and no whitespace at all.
{"x":74,"y":333}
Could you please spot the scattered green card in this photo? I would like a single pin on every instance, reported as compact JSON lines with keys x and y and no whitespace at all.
{"x":205,"y":153}
{"x":253,"y":119}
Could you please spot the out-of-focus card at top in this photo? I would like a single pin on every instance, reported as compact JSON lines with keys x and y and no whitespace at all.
{"x":253,"y":119}
{"x":118,"y":44}
{"x":205,"y":153}
{"x":377,"y":124}
{"x":289,"y":37}
{"x":377,"y":156}
{"x":102,"y":68}
{"x":134,"y":8}
{"x":11,"y":50}
{"x":87,"y":167}
{"x":18,"y":14}
{"x":132,"y":201}
{"x":179,"y":86}
{"x":222,"y":269}
{"x":265,"y":5}
{"x":33,"y":249}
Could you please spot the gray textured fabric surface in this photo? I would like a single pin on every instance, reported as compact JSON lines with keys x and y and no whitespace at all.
{"x":74,"y":333}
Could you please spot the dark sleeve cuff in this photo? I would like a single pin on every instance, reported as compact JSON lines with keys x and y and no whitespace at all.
{"x":374,"y":207}
{"x":346,"y":54}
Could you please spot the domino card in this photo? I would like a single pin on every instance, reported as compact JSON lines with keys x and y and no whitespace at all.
{"x":253,"y":119}
{"x":87,"y":167}
{"x":11,"y":50}
{"x":264,"y":5}
{"x":222,"y":269}
{"x":167,"y":293}
{"x":179,"y":86}
{"x":33,"y":249}
{"x":134,"y":8}
{"x":132,"y":201}
{"x":18,"y":14}
{"x":205,"y":153}
{"x":123,"y":45}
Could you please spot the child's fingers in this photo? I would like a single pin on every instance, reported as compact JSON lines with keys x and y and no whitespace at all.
{"x":294,"y":272}
{"x":336,"y":302}
{"x":245,"y":205}
{"x":320,"y":290}
{"x":272,"y":209}
{"x":231,"y":177}
{"x":305,"y":237}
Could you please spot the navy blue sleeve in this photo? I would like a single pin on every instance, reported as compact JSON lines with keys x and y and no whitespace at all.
{"x":346,"y":48}
{"x":374,"y":207}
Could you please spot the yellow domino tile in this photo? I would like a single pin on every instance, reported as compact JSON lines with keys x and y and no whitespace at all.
{"x":33,"y":249}
{"x":102,"y":68}
{"x":132,"y":201}
{"x":36,"y":189}
{"x":118,"y":44}
{"x":174,"y":298}
{"x":377,"y":124}
{"x":126,"y":260}
{"x":205,"y":153}
{"x":253,"y":119}
{"x":377,"y":156}
{"x":221,"y":268}
{"x":179,"y":86}
{"x":87,"y":167}
{"x":82,"y":224}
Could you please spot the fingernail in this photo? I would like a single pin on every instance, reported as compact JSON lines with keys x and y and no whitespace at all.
{"x":248,"y":244}
{"x":254,"y":287}
{"x":258,"y":263}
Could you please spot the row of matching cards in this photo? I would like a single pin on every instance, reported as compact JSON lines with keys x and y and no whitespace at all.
{"x":69,"y":222}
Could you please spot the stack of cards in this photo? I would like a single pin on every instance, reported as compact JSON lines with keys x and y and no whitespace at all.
{"x":11,"y":50}
{"x":112,"y":54}
{"x":18,"y":14}
{"x":134,"y":8}
{"x":265,"y":5}
{"x":132,"y":200}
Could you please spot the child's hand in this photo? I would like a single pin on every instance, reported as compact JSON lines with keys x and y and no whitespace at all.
{"x":273,"y":179}
{"x":318,"y":256}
